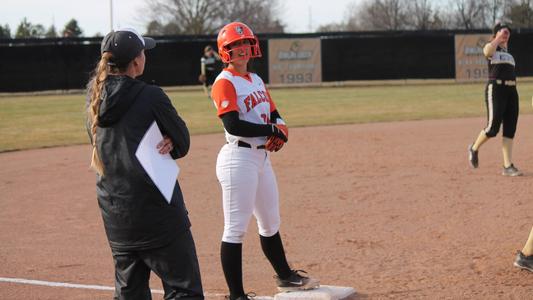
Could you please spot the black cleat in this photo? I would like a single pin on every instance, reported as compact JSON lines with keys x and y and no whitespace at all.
{"x":297,"y":282}
{"x":472,"y":157}
{"x":524,"y":262}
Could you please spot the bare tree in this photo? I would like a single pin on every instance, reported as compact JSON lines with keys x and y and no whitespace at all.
{"x":494,"y":11}
{"x":520,"y":13}
{"x":383,"y":15}
{"x":474,"y":14}
{"x":154,"y":28}
{"x":351,"y":17}
{"x":469,"y":14}
{"x":424,"y":15}
{"x":187,"y":16}
{"x":207,"y":16}
{"x":332,"y":27}
{"x":260,"y":15}
{"x":351,"y":21}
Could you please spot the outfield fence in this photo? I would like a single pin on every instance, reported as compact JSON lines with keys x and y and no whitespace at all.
{"x":65,"y":64}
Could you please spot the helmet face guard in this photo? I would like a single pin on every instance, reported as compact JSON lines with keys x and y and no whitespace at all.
{"x":242,"y":52}
{"x":232,"y":33}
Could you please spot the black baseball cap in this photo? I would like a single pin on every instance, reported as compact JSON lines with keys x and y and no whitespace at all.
{"x":125,"y":44}
{"x":499,"y":26}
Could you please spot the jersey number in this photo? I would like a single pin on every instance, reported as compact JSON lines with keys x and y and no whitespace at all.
{"x":265,"y":118}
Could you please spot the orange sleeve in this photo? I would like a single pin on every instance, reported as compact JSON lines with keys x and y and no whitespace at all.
{"x":224,"y":95}
{"x":272,"y":105}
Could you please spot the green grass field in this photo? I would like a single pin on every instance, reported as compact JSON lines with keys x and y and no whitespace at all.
{"x":43,"y":121}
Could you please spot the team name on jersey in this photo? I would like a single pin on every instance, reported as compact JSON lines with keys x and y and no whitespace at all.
{"x":254,"y":99}
{"x":501,"y":57}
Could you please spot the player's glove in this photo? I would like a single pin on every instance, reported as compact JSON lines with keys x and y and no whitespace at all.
{"x":274,"y":143}
{"x":202,"y":78}
{"x":281,"y":131}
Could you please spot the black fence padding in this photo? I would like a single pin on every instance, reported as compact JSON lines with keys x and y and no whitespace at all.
{"x":178,"y":62}
{"x":45,"y":67}
{"x":174,"y":62}
{"x":521,"y":47}
{"x":400,"y":56}
{"x":51,"y":64}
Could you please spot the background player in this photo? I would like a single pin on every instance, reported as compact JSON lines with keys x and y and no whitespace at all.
{"x":210,"y":66}
{"x":524,"y":258}
{"x":243,"y":168}
{"x":501,"y":98}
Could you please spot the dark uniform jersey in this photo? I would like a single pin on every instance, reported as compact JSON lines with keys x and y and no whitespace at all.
{"x":501,"y":96}
{"x":501,"y":65}
{"x":213,"y":66}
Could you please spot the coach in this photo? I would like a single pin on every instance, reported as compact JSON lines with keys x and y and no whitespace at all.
{"x":145,"y":232}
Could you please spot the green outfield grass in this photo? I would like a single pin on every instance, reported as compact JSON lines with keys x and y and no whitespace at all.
{"x":42,"y":121}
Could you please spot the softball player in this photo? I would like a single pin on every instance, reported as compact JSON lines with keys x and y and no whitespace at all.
{"x":524,"y":258}
{"x":210,"y":66}
{"x":501,"y":98}
{"x":253,"y":127}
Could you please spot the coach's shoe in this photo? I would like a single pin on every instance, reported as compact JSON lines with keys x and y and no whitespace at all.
{"x":472,"y":157}
{"x":511,"y":171}
{"x":523,"y":262}
{"x":297,"y":282}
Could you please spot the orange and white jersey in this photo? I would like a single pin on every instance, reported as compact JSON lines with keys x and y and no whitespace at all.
{"x":245,"y":94}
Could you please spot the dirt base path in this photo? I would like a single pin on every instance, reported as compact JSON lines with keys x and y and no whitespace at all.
{"x":391,"y":209}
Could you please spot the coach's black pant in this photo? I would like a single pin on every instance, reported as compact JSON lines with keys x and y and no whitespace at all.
{"x":176,"y":264}
{"x":502,"y":107}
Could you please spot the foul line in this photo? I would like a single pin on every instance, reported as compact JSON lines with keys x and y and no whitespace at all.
{"x":88,"y":286}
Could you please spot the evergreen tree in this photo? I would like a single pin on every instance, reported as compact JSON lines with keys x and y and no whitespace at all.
{"x":5,"y":32}
{"x":72,"y":29}
{"x":52,"y":32}
{"x":23,"y":30}
{"x":29,"y":30}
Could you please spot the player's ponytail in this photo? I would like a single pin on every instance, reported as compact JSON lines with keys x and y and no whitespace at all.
{"x":96,"y":85}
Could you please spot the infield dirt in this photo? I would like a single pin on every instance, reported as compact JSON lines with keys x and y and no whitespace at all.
{"x":391,"y":209}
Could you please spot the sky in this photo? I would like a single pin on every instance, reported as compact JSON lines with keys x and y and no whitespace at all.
{"x":93,"y":16}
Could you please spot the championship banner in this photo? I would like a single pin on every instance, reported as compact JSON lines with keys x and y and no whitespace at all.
{"x":470,"y":63}
{"x":294,"y":61}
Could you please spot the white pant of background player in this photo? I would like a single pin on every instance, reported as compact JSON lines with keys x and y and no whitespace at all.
{"x":249,"y":188}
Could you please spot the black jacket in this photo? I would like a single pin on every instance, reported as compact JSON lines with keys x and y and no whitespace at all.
{"x":136,"y":215}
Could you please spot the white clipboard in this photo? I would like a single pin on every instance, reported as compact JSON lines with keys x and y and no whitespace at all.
{"x":162,"y":168}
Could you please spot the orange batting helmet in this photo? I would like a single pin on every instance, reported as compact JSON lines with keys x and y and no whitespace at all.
{"x":233,"y":32}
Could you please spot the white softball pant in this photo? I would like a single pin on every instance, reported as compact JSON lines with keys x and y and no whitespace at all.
{"x":249,"y":188}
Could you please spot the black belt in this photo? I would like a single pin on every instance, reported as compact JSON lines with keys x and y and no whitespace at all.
{"x":503,"y":82}
{"x":246,"y":145}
